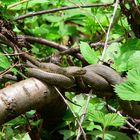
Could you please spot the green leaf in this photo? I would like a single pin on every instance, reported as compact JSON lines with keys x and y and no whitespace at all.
{"x":22,"y":136}
{"x":118,"y":135}
{"x":133,"y":61}
{"x":112,"y":52}
{"x":110,"y":135}
{"x":67,"y":134}
{"x":111,"y":119}
{"x":134,"y":75}
{"x":5,"y":64}
{"x":98,"y":116}
{"x":130,"y":89}
{"x":17,"y":121}
{"x":67,"y":30}
{"x":52,"y":18}
{"x":88,"y":125}
{"x":30,"y":114}
{"x":127,"y":55}
{"x":4,"y":61}
{"x":26,"y":137}
{"x":88,"y":53}
{"x":9,"y":132}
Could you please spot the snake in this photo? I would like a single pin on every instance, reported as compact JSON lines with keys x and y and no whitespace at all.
{"x":69,"y":71}
{"x":56,"y":75}
{"x":99,"y":77}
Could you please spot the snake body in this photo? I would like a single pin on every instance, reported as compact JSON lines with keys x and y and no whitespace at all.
{"x":98,"y":77}
{"x":56,"y":75}
{"x":110,"y":75}
{"x":52,"y":78}
{"x":101,"y":77}
{"x":68,"y":71}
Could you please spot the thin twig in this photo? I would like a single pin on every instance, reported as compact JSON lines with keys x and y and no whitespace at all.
{"x":127,"y":122}
{"x":77,"y":49}
{"x":14,"y":46}
{"x":8,"y":69}
{"x":84,"y":134}
{"x":16,"y":4}
{"x":108,"y":31}
{"x":108,"y":43}
{"x":14,"y":54}
{"x":84,"y":115}
{"x":62,"y":9}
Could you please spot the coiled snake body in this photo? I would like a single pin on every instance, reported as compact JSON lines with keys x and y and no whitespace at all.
{"x":99,"y":77}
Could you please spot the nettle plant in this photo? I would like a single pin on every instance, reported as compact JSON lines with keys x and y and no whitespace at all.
{"x":88,"y":25}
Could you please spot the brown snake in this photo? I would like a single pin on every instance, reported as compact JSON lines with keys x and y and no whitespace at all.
{"x":99,"y":77}
{"x":55,"y":75}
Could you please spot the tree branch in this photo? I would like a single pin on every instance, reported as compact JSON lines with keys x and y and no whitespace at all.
{"x":24,"y":96}
{"x":62,"y":9}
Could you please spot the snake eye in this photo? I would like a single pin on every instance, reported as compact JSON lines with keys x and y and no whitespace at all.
{"x":80,"y":72}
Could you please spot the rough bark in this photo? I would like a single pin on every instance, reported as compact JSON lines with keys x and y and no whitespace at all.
{"x":26,"y":95}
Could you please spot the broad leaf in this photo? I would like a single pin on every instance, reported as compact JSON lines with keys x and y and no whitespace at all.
{"x":127,"y":55}
{"x":4,"y":61}
{"x":130,"y":89}
{"x":98,"y":116}
{"x":89,"y":54}
{"x":67,"y":134}
{"x":111,"y":119}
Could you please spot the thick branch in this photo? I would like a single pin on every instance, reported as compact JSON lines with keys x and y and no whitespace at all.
{"x":24,"y":96}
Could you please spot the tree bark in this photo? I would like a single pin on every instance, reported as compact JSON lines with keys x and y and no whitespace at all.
{"x":30,"y":94}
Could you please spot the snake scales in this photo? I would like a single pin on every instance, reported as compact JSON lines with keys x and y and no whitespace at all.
{"x":98,"y":77}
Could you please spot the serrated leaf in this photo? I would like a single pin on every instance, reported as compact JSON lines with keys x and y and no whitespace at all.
{"x":111,"y":119}
{"x":121,"y":62}
{"x":112,"y":51}
{"x":134,"y":75}
{"x":128,"y":52}
{"x":130,"y":89}
{"x":98,"y":116}
{"x":133,"y":61}
{"x":88,"y":53}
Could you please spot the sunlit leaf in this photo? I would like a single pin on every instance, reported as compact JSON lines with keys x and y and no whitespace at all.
{"x":89,"y":54}
{"x":111,"y":119}
{"x":130,"y":89}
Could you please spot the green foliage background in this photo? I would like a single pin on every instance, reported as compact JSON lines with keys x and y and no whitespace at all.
{"x":88,"y":25}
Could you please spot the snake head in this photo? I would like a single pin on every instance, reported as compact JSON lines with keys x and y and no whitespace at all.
{"x":75,"y":71}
